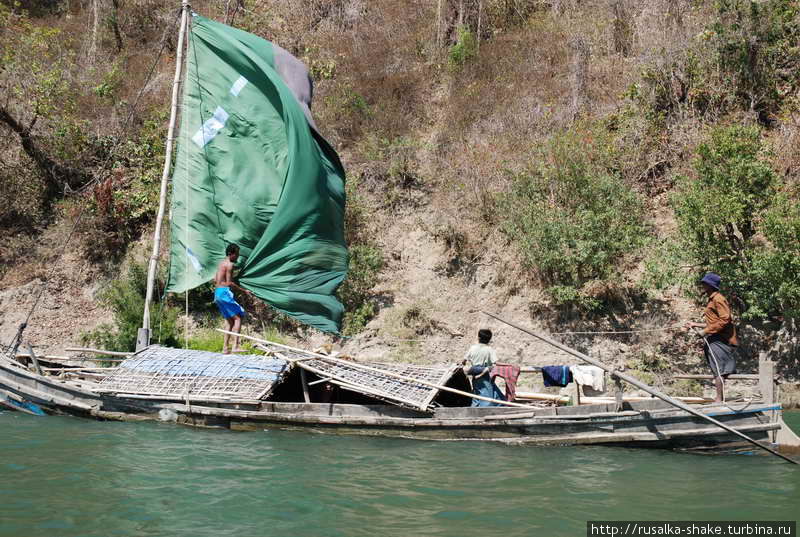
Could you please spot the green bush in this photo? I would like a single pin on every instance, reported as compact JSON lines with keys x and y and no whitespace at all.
{"x":355,"y":293}
{"x":206,"y":339}
{"x":125,"y":298}
{"x":775,"y":267}
{"x":736,"y":218}
{"x":572,"y":218}
{"x":465,"y":48}
{"x":366,"y":260}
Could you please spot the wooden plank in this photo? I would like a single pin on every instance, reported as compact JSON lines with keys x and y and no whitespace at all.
{"x":48,"y":358}
{"x":35,"y":362}
{"x":542,"y":397}
{"x":16,"y":371}
{"x":635,"y":399}
{"x":468,"y":428}
{"x":711,"y":377}
{"x":192,"y":398}
{"x":510,"y":416}
{"x":84,"y":374}
{"x":66,"y":369}
{"x":590,"y":416}
{"x":47,"y":397}
{"x":320,"y":381}
{"x":304,"y":380}
{"x":766,"y":380}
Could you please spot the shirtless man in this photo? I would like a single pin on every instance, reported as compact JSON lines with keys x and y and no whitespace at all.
{"x":223,"y":298}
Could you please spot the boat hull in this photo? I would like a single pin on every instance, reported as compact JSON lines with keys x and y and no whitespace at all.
{"x":640,"y":424}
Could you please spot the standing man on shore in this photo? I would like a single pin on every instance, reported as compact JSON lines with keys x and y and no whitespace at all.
{"x":719,"y":333}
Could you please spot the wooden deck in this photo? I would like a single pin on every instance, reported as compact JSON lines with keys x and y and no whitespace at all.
{"x":650,"y":423}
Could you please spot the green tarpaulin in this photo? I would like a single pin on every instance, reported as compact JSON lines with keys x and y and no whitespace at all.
{"x":250,"y":170}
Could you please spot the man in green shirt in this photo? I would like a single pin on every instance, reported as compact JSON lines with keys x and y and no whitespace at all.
{"x":481,"y":357}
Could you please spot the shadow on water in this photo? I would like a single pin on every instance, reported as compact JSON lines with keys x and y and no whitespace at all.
{"x":70,"y":477}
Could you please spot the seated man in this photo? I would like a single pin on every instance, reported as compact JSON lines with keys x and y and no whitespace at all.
{"x":481,"y":358}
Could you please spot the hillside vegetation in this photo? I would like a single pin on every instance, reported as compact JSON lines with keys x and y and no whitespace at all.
{"x":575,"y":165}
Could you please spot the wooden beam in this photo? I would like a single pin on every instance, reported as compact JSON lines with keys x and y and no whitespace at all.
{"x":34,"y":360}
{"x":80,"y":368}
{"x":48,"y":358}
{"x":304,"y":380}
{"x":542,"y":397}
{"x":711,"y":377}
{"x":99,"y":351}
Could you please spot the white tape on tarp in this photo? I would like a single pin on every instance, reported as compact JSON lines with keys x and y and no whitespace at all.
{"x":211,"y":127}
{"x":237,"y":87}
{"x":195,"y":262}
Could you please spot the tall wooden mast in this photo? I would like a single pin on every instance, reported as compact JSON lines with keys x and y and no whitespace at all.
{"x":143,"y":337}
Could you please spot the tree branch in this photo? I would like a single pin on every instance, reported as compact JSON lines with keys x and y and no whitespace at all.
{"x":56,"y":174}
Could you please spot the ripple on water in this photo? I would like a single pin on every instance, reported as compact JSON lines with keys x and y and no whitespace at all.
{"x":64,"y":476}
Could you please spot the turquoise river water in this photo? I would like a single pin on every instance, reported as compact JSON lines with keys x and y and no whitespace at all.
{"x":65,"y":477}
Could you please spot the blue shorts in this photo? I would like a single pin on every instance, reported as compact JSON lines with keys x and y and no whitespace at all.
{"x":226,"y":304}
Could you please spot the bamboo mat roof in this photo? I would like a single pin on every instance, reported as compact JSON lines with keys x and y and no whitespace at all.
{"x":387,"y":388}
{"x":179,"y":372}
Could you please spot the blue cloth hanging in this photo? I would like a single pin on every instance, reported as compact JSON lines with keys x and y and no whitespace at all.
{"x":556,"y":375}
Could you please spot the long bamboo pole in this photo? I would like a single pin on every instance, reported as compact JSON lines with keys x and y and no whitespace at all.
{"x":162,"y":202}
{"x":376,"y":370}
{"x":642,"y":386}
{"x":97,"y":351}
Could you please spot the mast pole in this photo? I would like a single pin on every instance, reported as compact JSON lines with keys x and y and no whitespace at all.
{"x":143,"y":337}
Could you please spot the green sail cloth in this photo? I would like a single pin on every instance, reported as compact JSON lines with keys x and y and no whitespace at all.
{"x":250,"y":170}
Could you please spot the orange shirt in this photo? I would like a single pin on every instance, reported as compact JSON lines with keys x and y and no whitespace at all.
{"x":719,"y":320}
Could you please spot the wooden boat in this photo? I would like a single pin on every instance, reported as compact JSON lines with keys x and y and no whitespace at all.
{"x":446,"y":416}
{"x":294,"y":388}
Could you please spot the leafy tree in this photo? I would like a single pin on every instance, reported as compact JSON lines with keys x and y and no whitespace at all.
{"x":746,"y":59}
{"x":464,"y":49}
{"x":736,"y":217}
{"x":755,"y":44}
{"x":718,"y":209}
{"x":34,"y":83}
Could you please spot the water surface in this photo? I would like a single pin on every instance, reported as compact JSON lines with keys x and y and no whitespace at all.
{"x":62,"y":476}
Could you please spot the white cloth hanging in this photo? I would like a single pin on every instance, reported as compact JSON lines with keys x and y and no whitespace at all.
{"x":589,"y":375}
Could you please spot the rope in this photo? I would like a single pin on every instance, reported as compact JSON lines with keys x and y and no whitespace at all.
{"x":552,"y":333}
{"x":14,"y":345}
{"x":619,"y":331}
